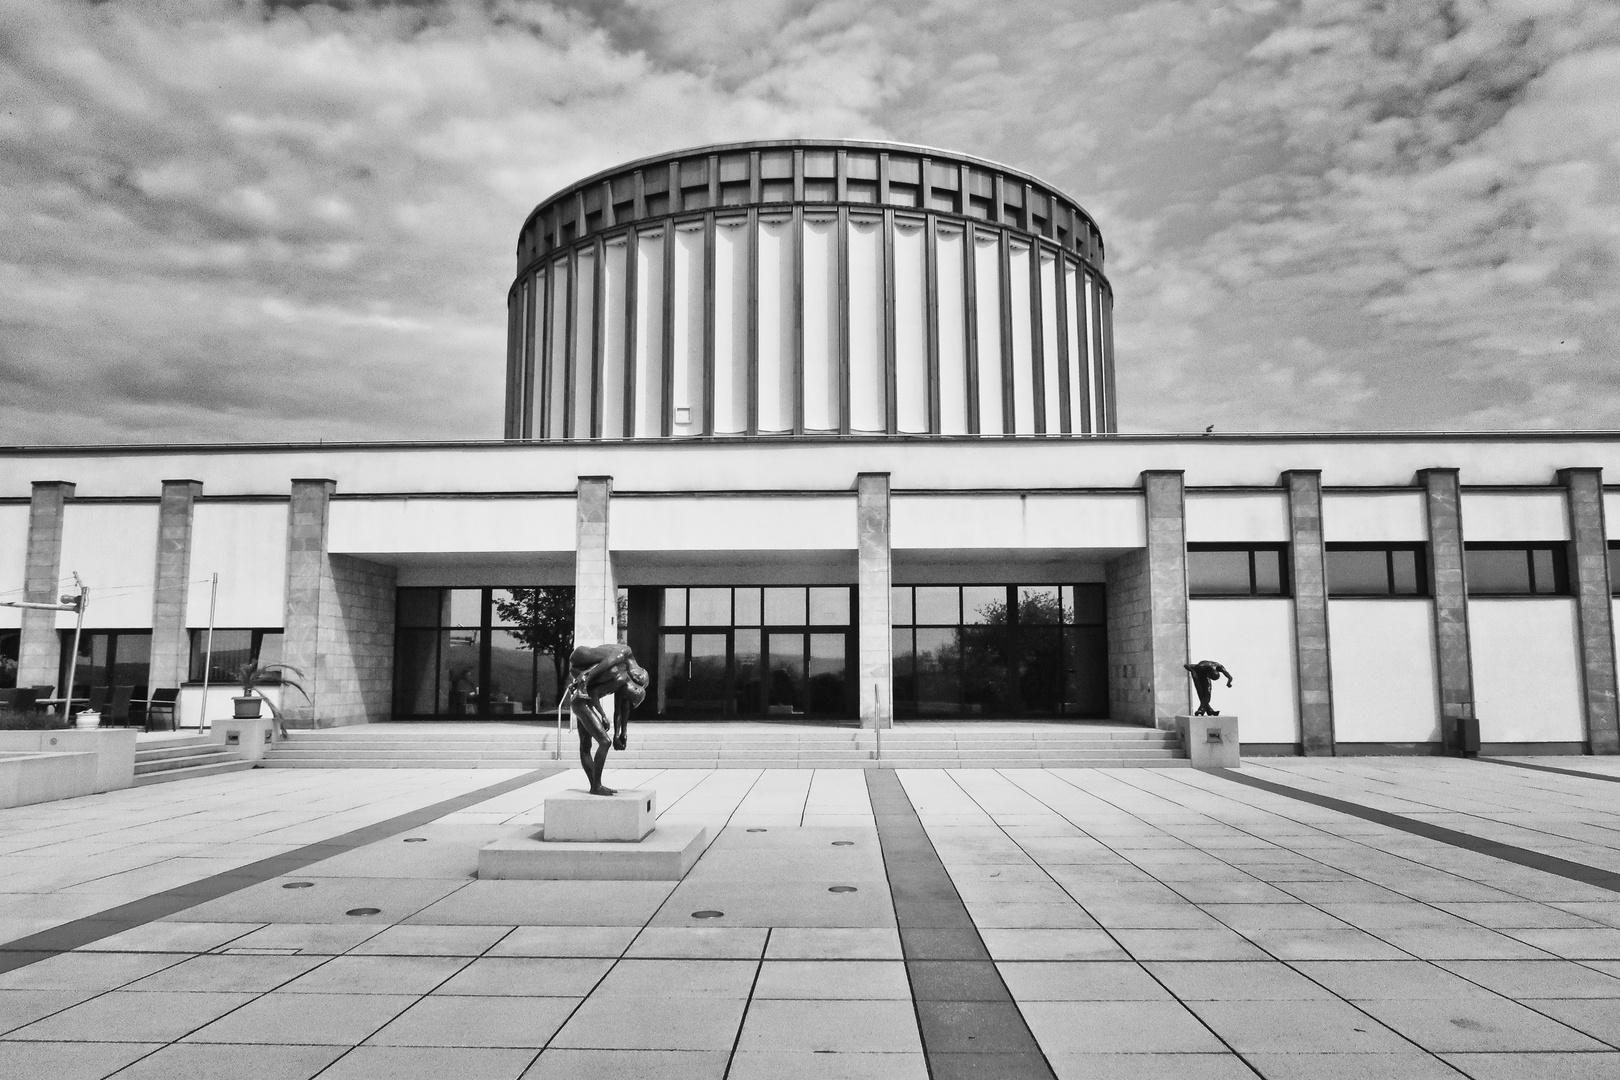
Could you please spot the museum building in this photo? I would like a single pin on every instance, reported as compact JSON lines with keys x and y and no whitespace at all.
{"x":826,"y":431}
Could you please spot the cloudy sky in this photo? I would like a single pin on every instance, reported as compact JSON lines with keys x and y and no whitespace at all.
{"x":236,"y":220}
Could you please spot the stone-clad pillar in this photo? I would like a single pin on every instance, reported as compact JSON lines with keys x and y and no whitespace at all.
{"x":1165,"y":497}
{"x":595,"y":595}
{"x":1447,"y":583}
{"x":306,"y":570}
{"x":1589,"y":575}
{"x":1308,"y":574}
{"x":39,"y":653}
{"x":875,"y":685}
{"x":171,"y":646}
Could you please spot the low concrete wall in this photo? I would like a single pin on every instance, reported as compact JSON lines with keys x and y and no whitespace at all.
{"x":27,"y":778}
{"x":114,"y":750}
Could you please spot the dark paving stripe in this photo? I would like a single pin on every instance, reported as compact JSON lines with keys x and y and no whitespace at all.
{"x":104,"y":924}
{"x":1535,"y":860}
{"x":970,"y":1025}
{"x":1551,"y":769}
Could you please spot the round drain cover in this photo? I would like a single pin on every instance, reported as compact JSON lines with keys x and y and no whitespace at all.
{"x":842,"y":888}
{"x":843,"y":843}
{"x":758,"y":830}
{"x":416,"y":839}
{"x":708,"y":914}
{"x":299,"y":885}
{"x":364,"y":911}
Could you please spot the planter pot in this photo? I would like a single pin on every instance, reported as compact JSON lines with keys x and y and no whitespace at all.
{"x":87,"y":720}
{"x":247,"y":708}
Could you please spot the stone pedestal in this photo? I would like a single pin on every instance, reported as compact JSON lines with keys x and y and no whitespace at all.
{"x":248,"y":739}
{"x":1211,"y":741}
{"x":579,"y":816}
{"x":597,"y":838}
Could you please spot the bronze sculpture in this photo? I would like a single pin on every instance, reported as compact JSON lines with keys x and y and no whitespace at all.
{"x":595,"y":672}
{"x":1204,"y":673}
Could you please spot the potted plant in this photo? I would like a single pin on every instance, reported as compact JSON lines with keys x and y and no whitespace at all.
{"x":254,"y":675}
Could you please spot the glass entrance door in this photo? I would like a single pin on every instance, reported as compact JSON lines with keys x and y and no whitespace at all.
{"x":694,"y":674}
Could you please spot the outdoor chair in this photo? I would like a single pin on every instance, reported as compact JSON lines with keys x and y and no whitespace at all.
{"x":118,"y":708}
{"x":42,"y":692}
{"x":99,"y":696}
{"x":160,"y":708}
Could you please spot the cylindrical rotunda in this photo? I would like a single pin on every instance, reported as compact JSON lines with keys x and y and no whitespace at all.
{"x":805,"y":288}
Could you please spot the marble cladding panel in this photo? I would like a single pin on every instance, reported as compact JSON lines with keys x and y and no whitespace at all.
{"x":355,"y":669}
{"x":594,"y":591}
{"x":39,"y":651}
{"x":1309,"y":579}
{"x":307,"y":517}
{"x":171,"y":646}
{"x":1443,"y":506}
{"x":1589,"y":577}
{"x":873,"y":578}
{"x":1167,"y":587}
{"x":1130,"y":639}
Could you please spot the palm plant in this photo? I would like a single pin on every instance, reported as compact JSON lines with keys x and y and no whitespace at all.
{"x":255,"y":675}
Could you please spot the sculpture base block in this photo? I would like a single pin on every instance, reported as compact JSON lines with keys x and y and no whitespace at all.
{"x":1211,"y":741}
{"x":625,"y":817}
{"x":666,"y":854}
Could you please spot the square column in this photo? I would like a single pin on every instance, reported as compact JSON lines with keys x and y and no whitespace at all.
{"x":1589,"y":574}
{"x":39,"y":652}
{"x":875,"y":681}
{"x":1308,"y":571}
{"x":171,"y":645}
{"x":596,"y":598}
{"x":1442,"y":500}
{"x":1165,"y":499}
{"x":306,"y":572}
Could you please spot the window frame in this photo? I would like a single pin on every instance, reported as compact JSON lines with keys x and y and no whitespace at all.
{"x":1418,"y":548}
{"x":1285,"y":578}
{"x":1562,"y":584}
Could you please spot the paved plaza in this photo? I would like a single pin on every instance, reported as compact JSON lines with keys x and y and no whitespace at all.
{"x":1402,"y":918}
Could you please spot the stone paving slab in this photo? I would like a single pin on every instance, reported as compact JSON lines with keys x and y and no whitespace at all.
{"x":1139,"y":923}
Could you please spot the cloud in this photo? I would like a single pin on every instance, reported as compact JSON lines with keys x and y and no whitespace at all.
{"x":232,"y":220}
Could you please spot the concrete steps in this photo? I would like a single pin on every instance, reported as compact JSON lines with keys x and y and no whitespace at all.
{"x":710,"y":747}
{"x":183,"y":759}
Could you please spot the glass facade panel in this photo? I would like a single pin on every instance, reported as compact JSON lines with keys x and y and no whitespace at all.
{"x":1406,"y":572}
{"x":1358,"y":573}
{"x":1542,"y":568}
{"x":785,"y":685}
{"x":418,"y":607}
{"x":938,"y":666}
{"x":938,"y":604}
{"x":1218,"y":573}
{"x":747,"y":671}
{"x":706,"y":688}
{"x":984,"y":604}
{"x":1498,"y":572}
{"x":232,"y":650}
{"x":829,"y":606}
{"x":463,"y":662}
{"x":746,"y":608}
{"x":784,"y":607}
{"x":1268,"y":572}
{"x":1039,"y":605}
{"x":512,"y":681}
{"x":900,"y":605}
{"x":674,"y":607}
{"x":466,"y":607}
{"x":416,"y":673}
{"x":827,"y":684}
{"x":708,"y":607}
{"x":672,"y":674}
{"x":498,"y":652}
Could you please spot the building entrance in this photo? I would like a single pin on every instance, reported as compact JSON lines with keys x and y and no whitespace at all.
{"x":753,"y":652}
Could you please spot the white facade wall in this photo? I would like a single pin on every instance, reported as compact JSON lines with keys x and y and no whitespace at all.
{"x":13,"y":559}
{"x":246,"y":545}
{"x":1254,"y":639}
{"x":113,"y":546}
{"x":1385,"y":676}
{"x":1017,"y":521}
{"x":389,"y":526}
{"x":1520,"y":515}
{"x":1527,"y":679}
{"x":1257,"y":518}
{"x":785,"y":523}
{"x":1374,"y":517}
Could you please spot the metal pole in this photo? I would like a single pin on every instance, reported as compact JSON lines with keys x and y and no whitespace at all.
{"x":208,"y":654}
{"x":877,"y":720}
{"x":73,"y":661}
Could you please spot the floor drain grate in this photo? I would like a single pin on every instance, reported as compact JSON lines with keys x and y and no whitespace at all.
{"x":843,"y":888}
{"x":299,"y":885}
{"x":843,"y":843}
{"x":708,"y":914}
{"x":364,"y":911}
{"x":416,"y":840}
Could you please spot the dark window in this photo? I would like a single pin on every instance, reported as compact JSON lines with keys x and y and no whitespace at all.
{"x":480,"y":652}
{"x":999,"y":650}
{"x":1517,"y":569}
{"x":1215,"y":570}
{"x":1614,"y":568}
{"x":1376,"y":570}
{"x":231,"y":651}
{"x":107,"y":659}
